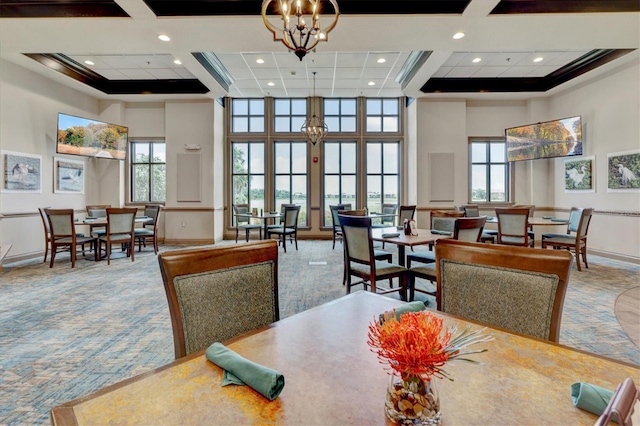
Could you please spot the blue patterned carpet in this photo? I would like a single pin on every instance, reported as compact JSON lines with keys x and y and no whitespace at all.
{"x":67,"y":332}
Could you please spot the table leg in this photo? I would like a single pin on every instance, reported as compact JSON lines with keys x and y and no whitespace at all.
{"x":401,"y":255}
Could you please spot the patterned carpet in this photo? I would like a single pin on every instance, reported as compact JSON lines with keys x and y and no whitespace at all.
{"x":65,"y":333}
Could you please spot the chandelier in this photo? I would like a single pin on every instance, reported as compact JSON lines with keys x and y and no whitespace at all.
{"x":314,"y":128}
{"x":295,"y":33}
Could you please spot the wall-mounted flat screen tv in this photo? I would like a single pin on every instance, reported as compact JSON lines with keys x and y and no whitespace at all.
{"x":555,"y":138}
{"x":91,"y":138}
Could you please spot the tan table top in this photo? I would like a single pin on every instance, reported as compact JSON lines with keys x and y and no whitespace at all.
{"x":332,"y":378}
{"x":424,"y":237}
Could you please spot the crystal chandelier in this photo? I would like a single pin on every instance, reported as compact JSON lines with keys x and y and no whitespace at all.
{"x":314,"y":128}
{"x":294,"y":31}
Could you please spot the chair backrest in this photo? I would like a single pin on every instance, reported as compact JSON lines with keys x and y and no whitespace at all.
{"x":354,"y":212}
{"x":444,"y":220}
{"x":241,"y":209}
{"x":621,"y":405}
{"x":120,"y":220}
{"x":218,"y":293}
{"x":579,"y":219}
{"x":388,"y":208}
{"x":97,"y":210}
{"x":152,"y":211}
{"x":406,"y":212}
{"x":45,"y":221}
{"x":469,"y":228}
{"x":335,"y":221}
{"x":60,"y":223}
{"x":291,"y":216}
{"x":356,"y":231}
{"x":519,"y":289}
{"x":512,"y":225}
{"x":471,"y":210}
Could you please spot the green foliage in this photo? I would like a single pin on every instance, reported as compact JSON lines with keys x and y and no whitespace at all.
{"x":145,"y":190}
{"x":578,"y":175}
{"x":624,"y":171}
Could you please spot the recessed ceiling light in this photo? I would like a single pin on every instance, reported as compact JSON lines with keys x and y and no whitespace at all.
{"x":260,"y":61}
{"x":538,"y":59}
{"x":476,"y":60}
{"x":458,"y":36}
{"x":89,"y":62}
{"x":372,"y":83}
{"x":177,"y":62}
{"x":382,"y":60}
{"x":164,"y":37}
{"x":271,"y":83}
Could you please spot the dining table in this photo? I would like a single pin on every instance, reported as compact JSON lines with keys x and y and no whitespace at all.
{"x":101,"y":222}
{"x":420,"y":237}
{"x":536,"y":221}
{"x":265,"y":217}
{"x":333,"y":378}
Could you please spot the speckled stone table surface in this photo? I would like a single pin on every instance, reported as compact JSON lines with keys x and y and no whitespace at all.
{"x":333,"y":378}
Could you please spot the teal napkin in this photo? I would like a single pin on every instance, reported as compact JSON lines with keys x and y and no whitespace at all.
{"x":437,"y":232}
{"x":241,"y":371}
{"x":548,"y":217}
{"x":391,"y":235}
{"x":591,"y":398}
{"x":555,"y":219}
{"x":407,"y":307}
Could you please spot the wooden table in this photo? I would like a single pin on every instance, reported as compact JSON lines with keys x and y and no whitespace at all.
{"x":423,"y":237}
{"x":264,"y":217}
{"x":536,"y":221}
{"x":332,"y":378}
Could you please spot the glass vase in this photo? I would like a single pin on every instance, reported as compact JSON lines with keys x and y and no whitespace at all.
{"x":412,"y":401}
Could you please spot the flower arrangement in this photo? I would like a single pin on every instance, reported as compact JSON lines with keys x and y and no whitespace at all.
{"x":416,"y":347}
{"x":418,"y":344}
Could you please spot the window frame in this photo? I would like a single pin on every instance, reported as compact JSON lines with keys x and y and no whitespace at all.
{"x":382,"y":115}
{"x":248,"y":173}
{"x":487,"y":164}
{"x":133,"y":163}
{"x":291,"y":116}
{"x":291,"y":174}
{"x":382,"y":173}
{"x":340,"y":116}
{"x":248,"y":115}
{"x":339,"y":174}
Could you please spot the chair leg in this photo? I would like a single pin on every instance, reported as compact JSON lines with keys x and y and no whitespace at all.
{"x":284,"y":242}
{"x":412,"y":287}
{"x":72,"y":253}
{"x":332,"y":247}
{"x":584,"y":257}
{"x":236,"y":234}
{"x":53,"y":256}
{"x":296,"y":239}
{"x":246,"y":235}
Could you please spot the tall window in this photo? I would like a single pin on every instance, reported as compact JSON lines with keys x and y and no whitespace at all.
{"x":148,"y":170}
{"x":383,"y":180}
{"x":383,"y":115}
{"x":340,"y":168}
{"x":248,"y":174}
{"x":489,"y":175}
{"x":291,"y":176}
{"x":290,"y":115}
{"x":247,"y":115}
{"x":340,"y":115}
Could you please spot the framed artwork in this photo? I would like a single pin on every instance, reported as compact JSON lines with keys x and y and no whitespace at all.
{"x":22,"y":172}
{"x":579,"y":175}
{"x":68,"y":176}
{"x":623,"y":170}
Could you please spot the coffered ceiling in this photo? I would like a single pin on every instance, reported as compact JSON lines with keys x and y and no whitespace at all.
{"x":511,"y":49}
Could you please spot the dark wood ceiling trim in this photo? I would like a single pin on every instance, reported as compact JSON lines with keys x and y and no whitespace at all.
{"x":586,"y":63}
{"x":565,"y":6}
{"x":61,"y":9}
{"x":67,"y":66}
{"x":347,"y":7}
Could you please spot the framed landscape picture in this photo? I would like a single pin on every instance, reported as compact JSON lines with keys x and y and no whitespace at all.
{"x":623,"y":170}
{"x":22,"y":172}
{"x":579,"y":175}
{"x":68,"y":176}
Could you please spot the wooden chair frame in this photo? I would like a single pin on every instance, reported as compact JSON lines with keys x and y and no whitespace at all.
{"x":289,"y":227}
{"x":108,"y":240}
{"x":579,"y":247}
{"x":517,"y":258}
{"x":142,"y":234}
{"x":524,"y":233}
{"x":248,"y":226}
{"x":335,"y":221}
{"x":194,"y":261}
{"x":67,"y":240}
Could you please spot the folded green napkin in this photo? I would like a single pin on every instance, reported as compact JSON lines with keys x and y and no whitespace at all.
{"x":547,"y":217}
{"x":407,"y":307}
{"x":555,"y":219}
{"x":591,"y":398}
{"x":241,"y":371}
{"x":391,"y":235}
{"x":437,"y":232}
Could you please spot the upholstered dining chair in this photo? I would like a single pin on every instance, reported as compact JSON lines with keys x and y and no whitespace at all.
{"x":145,"y":235}
{"x":335,"y":221}
{"x":120,"y":230}
{"x":280,"y":223}
{"x":244,"y":222}
{"x":218,"y":293}
{"x":47,"y":232}
{"x":518,"y":289}
{"x":464,"y":229}
{"x":442,"y":222}
{"x":513,"y":226}
{"x":63,"y":235}
{"x":289,"y":227}
{"x":473,"y":210}
{"x":386,"y":221}
{"x":359,"y":259}
{"x":406,"y":212}
{"x":96,"y":211}
{"x":579,"y":219}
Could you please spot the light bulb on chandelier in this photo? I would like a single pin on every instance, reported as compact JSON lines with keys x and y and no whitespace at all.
{"x":294,"y":32}
{"x":314,"y":129}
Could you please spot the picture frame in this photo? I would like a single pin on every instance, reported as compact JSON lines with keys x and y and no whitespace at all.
{"x":623,"y":171}
{"x":68,"y":176}
{"x":579,"y":175}
{"x":22,"y":172}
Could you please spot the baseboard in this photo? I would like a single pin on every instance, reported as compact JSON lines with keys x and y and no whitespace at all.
{"x":614,"y":256}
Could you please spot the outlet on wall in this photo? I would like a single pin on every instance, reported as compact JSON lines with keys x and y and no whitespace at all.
{"x":184,"y":223}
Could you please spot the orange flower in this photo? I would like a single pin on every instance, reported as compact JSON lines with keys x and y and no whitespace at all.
{"x":418,"y":345}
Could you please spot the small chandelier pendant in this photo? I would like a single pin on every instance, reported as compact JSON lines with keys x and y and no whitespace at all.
{"x":314,"y":129}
